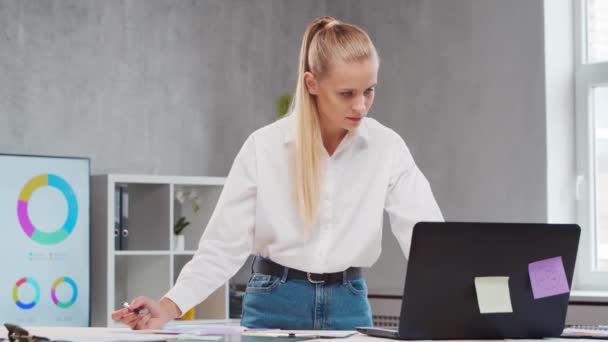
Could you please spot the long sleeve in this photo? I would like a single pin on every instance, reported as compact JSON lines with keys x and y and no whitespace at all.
{"x":409,"y":198}
{"x":228,"y":237}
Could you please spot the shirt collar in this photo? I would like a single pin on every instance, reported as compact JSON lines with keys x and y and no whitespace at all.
{"x":361,"y":134}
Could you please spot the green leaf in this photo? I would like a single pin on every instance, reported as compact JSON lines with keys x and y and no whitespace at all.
{"x":180,"y":225}
{"x":283,"y":102}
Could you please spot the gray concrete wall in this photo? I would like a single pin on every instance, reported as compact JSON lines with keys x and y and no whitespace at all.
{"x":463,"y":83}
{"x":161,"y":87}
{"x":174,"y":87}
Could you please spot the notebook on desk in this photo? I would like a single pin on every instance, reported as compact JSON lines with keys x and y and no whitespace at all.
{"x":486,"y":281}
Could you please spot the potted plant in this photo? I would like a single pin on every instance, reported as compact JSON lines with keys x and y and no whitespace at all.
{"x":183,"y":195}
{"x":179,"y":240}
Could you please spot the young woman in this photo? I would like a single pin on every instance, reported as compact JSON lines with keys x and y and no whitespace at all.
{"x":306,"y":195}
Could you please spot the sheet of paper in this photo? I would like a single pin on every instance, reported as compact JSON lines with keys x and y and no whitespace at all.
{"x":323,"y":333}
{"x":202,"y":329}
{"x":109,"y":337}
{"x":198,"y":338}
{"x":301,"y":333}
{"x":493,"y":294}
{"x":133,"y":338}
{"x":548,"y":278}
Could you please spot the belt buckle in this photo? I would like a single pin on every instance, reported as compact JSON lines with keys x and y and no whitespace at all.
{"x":312,"y":280}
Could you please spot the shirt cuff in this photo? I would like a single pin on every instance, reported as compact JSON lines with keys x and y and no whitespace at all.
{"x":182,"y":297}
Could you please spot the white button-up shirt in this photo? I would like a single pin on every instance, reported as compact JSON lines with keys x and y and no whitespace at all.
{"x":371,"y":171}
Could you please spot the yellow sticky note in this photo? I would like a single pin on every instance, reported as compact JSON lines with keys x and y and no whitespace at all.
{"x":493,"y":294}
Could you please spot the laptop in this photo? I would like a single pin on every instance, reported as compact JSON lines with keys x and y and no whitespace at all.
{"x":440,"y":299}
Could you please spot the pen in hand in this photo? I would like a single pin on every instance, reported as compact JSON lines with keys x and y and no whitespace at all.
{"x":142,"y":312}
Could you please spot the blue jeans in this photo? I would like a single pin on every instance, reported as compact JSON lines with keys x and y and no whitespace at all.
{"x":278,"y":302}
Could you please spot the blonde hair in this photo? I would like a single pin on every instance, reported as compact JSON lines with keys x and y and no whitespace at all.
{"x":326,"y":41}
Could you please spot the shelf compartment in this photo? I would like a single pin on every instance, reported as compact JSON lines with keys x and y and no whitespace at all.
{"x":208,"y":195}
{"x":148,"y":216}
{"x":140,"y":275}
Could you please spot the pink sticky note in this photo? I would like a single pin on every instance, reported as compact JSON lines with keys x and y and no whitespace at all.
{"x":548,"y":277}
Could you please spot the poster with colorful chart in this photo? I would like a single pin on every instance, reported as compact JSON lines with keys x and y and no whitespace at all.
{"x":44,"y":223}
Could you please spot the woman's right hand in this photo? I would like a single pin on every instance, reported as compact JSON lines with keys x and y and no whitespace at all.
{"x":155,"y":318}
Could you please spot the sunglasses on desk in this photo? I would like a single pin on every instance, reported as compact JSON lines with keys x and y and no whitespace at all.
{"x":18,"y":334}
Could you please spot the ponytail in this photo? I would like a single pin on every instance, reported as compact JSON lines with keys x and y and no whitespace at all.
{"x":325,"y":41}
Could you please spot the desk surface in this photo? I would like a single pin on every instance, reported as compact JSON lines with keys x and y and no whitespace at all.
{"x":110,"y":334}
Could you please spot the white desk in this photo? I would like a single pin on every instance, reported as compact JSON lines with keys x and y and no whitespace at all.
{"x":80,"y":334}
{"x":109,"y":334}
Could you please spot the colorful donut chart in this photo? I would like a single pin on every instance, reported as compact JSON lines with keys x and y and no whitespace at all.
{"x":69,"y":281}
{"x":47,"y":238}
{"x":20,"y":304}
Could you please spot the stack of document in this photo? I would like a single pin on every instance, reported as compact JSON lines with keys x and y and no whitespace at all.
{"x":586,"y":331}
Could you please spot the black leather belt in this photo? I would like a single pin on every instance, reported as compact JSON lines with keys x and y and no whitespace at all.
{"x":267,"y":266}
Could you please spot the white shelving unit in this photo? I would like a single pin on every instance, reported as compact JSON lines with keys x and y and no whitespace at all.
{"x":149,"y":266}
